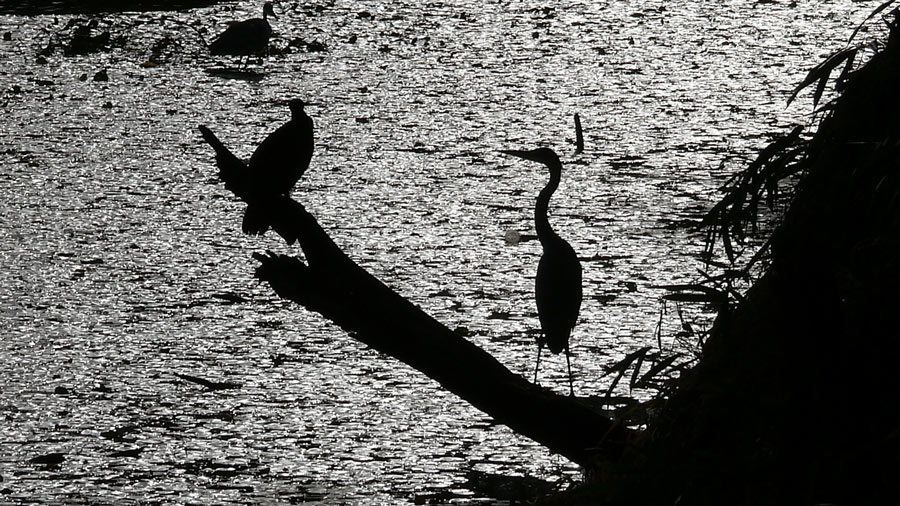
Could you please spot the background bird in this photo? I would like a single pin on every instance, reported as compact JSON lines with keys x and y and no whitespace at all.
{"x":245,"y":38}
{"x":557,"y":286}
{"x":274,"y":168}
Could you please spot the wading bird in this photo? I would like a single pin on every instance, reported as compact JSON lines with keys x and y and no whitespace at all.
{"x":557,"y":287}
{"x":275,"y":166}
{"x":245,"y":38}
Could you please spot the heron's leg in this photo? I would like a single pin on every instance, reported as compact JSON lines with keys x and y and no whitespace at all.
{"x":538,"y":364}
{"x":569,"y":366}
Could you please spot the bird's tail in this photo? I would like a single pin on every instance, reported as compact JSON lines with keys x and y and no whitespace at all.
{"x":229,"y":165}
{"x":556,"y":341}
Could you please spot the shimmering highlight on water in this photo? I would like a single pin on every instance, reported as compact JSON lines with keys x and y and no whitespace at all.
{"x":123,"y":261}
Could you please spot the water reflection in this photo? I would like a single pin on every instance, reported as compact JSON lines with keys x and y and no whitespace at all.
{"x":124,"y":264}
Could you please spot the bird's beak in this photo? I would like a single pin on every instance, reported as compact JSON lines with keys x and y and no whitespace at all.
{"x":525,"y":155}
{"x":305,"y":103}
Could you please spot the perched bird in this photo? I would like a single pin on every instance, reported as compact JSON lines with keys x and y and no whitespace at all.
{"x":557,"y":287}
{"x":274,"y":168}
{"x":245,"y":38}
{"x":279,"y":162}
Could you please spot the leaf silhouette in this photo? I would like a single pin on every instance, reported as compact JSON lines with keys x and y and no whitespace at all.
{"x":823,"y":70}
{"x":622,"y":365}
{"x":870,"y":16}
{"x":656,"y":369}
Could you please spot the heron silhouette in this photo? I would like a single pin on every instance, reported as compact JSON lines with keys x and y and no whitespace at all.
{"x":245,"y":38}
{"x":557,"y":286}
{"x":275,"y":166}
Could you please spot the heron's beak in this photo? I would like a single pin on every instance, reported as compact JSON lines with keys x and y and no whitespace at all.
{"x":305,"y":103}
{"x":525,"y":155}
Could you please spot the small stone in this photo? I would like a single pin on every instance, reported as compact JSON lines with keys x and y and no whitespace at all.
{"x":7,"y":36}
{"x":101,"y":76}
{"x":61,"y":390}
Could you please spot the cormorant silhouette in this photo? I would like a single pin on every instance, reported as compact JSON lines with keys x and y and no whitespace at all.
{"x":274,"y":168}
{"x":557,"y":287}
{"x":247,"y":37}
{"x":279,"y":162}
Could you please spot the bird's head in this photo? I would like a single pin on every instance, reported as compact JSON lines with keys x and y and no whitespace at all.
{"x":296,"y":106}
{"x":543,"y":155}
{"x":269,"y":10}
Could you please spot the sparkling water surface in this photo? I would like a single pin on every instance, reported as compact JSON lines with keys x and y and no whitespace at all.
{"x":123,"y":262}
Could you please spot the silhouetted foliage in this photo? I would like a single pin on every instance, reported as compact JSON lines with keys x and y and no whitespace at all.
{"x":793,"y":398}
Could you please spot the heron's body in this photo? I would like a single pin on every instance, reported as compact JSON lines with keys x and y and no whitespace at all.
{"x":245,"y":38}
{"x":557,"y":286}
{"x":557,"y":292}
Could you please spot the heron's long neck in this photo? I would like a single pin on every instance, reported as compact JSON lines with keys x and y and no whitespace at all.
{"x":541,"y":223}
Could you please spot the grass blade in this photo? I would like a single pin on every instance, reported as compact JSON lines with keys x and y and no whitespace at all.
{"x":656,"y":369}
{"x":823,"y":70}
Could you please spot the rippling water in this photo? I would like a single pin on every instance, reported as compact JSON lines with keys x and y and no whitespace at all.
{"x":123,"y":261}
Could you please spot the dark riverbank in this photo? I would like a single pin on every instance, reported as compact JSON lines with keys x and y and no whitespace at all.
{"x":38,"y":7}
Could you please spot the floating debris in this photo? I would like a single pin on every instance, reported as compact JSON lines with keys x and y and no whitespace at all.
{"x":579,"y":136}
{"x":49,"y":459}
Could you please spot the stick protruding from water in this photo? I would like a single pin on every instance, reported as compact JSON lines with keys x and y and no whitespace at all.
{"x":579,"y":137}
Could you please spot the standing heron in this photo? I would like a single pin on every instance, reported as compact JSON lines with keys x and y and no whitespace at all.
{"x":274,"y":168}
{"x":557,"y":287}
{"x":245,"y":38}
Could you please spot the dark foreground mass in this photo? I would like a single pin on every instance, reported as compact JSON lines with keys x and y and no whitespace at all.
{"x":794,"y":399}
